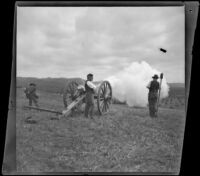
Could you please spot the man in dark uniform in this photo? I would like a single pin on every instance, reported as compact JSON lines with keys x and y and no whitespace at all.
{"x":153,"y":87}
{"x":89,"y":98}
{"x":31,"y":94}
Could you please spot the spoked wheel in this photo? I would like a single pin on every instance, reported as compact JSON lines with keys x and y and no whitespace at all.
{"x":69,"y":92}
{"x":104,"y":97}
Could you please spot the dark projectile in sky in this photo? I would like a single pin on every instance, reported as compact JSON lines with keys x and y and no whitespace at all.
{"x":163,"y":50}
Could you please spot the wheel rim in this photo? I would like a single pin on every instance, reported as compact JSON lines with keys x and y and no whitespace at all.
{"x":104,"y":97}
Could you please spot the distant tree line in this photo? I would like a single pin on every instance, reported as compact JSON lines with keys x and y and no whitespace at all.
{"x":58,"y":85}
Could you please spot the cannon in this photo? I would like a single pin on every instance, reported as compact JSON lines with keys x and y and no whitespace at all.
{"x":103,"y":96}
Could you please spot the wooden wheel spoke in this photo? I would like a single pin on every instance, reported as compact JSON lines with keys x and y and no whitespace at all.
{"x":108,"y":102}
{"x":102,"y":94}
{"x":108,"y":90}
{"x":103,"y":107}
{"x":107,"y":106}
{"x":107,"y":87}
{"x":103,"y":90}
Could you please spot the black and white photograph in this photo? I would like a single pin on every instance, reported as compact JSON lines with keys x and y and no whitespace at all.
{"x":100,"y":89}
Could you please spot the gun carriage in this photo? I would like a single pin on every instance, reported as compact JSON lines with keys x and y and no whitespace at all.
{"x":103,"y":97}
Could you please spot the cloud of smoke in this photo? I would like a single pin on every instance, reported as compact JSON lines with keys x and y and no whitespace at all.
{"x":130,"y":84}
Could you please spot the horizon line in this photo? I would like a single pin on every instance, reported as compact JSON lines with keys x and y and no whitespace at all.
{"x":70,"y":78}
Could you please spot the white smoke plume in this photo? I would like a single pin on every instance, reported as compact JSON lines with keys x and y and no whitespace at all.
{"x":130,"y":84}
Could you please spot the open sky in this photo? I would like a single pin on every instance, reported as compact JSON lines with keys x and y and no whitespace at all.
{"x":74,"y":41}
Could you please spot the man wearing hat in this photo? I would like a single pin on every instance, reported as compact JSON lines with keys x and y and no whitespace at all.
{"x":31,"y":94}
{"x":153,"y":87}
{"x":89,"y":98}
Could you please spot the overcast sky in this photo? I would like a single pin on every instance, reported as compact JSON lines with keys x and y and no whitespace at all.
{"x":74,"y":41}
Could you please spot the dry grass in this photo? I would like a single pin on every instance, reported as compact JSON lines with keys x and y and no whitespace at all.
{"x":124,"y":140}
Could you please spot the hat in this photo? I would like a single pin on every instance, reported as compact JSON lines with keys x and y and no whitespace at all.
{"x":90,"y":74}
{"x":32,"y":84}
{"x":155,"y":76}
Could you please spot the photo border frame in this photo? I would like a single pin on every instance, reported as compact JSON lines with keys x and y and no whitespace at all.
{"x":191,"y":13}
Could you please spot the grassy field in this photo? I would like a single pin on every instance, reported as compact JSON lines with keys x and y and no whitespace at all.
{"x":124,"y":140}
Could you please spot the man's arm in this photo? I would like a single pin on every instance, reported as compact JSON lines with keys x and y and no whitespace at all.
{"x":148,"y":85}
{"x":91,"y":85}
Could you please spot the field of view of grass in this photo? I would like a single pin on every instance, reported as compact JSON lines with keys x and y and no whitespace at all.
{"x":124,"y":140}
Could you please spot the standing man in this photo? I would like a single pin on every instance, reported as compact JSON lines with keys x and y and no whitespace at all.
{"x":31,"y":94}
{"x":89,"y":98}
{"x":153,"y":87}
